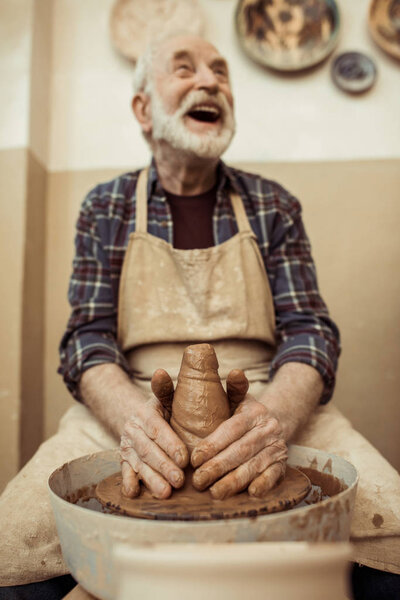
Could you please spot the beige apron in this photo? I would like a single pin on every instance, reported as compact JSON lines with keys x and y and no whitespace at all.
{"x":169,"y":298}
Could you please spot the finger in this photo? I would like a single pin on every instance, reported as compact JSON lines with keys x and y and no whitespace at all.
{"x":236,"y":454}
{"x":151,"y":454}
{"x":155,"y":483}
{"x":266,"y":481}
{"x":237,"y":386}
{"x":158,"y":430}
{"x":228,"y":432}
{"x":163,"y":388}
{"x":130,"y":481}
{"x":239,"y":479}
{"x":249,"y":414}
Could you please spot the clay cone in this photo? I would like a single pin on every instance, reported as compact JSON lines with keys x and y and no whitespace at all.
{"x":200,"y":403}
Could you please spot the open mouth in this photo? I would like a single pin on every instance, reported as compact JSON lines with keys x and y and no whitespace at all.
{"x":205,"y":113}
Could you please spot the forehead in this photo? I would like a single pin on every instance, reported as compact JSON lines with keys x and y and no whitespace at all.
{"x":193,"y":46}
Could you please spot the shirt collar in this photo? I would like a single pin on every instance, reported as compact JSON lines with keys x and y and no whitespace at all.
{"x":225,"y":175}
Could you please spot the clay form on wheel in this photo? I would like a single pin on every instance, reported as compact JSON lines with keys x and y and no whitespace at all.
{"x":187,"y":504}
{"x":197,"y":407}
{"x":200,"y":403}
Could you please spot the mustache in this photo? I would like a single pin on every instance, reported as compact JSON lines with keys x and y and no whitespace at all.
{"x":197,"y":97}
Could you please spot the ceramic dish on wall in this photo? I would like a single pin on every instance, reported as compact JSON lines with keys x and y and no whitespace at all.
{"x":133,"y":23}
{"x":353,"y":72}
{"x":384,"y":25}
{"x":287,"y":35}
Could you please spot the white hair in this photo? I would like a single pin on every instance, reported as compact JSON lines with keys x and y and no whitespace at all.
{"x":142,"y":81}
{"x":143,"y":69}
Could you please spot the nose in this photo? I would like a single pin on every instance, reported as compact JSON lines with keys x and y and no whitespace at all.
{"x":207,"y":80}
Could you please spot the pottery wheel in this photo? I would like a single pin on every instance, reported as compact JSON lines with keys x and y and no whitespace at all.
{"x":187,"y":504}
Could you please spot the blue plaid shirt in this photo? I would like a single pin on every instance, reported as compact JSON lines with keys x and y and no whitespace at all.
{"x":304,"y":331}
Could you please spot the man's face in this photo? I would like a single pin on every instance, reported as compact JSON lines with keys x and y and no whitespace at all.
{"x":191,"y":98}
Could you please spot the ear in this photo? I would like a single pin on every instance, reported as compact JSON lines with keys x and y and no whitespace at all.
{"x":141,"y":107}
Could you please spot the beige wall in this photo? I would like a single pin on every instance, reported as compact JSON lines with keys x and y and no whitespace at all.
{"x":33,"y":313}
{"x":22,"y":245}
{"x":40,"y":79}
{"x":352,"y":214}
{"x":15,"y":66}
{"x":13,"y":168}
{"x":25,"y":54}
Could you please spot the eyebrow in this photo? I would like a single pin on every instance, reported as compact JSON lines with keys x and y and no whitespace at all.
{"x":217,"y":62}
{"x":181,"y":54}
{"x":220,"y":62}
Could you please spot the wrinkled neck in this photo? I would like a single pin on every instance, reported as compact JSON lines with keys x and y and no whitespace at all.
{"x":183,"y":174}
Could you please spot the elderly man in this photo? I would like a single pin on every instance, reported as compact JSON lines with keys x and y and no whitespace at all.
{"x":187,"y":250}
{"x":258,"y":292}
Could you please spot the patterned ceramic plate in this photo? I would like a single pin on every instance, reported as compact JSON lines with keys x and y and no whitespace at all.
{"x":287,"y":35}
{"x":353,"y":72}
{"x":384,"y":25}
{"x":133,"y":23}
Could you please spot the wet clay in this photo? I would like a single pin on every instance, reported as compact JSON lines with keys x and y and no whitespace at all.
{"x":200,"y":403}
{"x":87,"y":498}
{"x":187,"y":504}
{"x":328,"y":483}
{"x":163,"y":388}
{"x":197,"y":407}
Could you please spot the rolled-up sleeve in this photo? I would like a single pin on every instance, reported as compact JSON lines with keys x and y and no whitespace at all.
{"x":90,"y":338}
{"x":305,"y":331}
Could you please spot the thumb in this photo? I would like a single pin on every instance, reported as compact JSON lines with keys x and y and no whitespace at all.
{"x":130,"y":481}
{"x":163,"y":388}
{"x":237,"y":386}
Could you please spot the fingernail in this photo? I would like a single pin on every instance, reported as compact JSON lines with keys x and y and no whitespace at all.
{"x":201,"y":480}
{"x":178,"y":458}
{"x":127,"y":491}
{"x":197,"y":458}
{"x":218,"y":494}
{"x":161,"y":492}
{"x":176,"y":478}
{"x":256,"y":491}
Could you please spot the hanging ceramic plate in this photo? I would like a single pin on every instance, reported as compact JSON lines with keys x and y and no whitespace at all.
{"x":133,"y":23}
{"x":353,"y":72}
{"x":384,"y":25}
{"x":287,"y":35}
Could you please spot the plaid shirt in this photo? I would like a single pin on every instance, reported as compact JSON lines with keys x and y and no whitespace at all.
{"x":304,"y":331}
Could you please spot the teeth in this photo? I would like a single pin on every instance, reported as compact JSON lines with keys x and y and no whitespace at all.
{"x":206,"y":108}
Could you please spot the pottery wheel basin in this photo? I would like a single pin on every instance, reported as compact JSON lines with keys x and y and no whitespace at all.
{"x":88,"y":537}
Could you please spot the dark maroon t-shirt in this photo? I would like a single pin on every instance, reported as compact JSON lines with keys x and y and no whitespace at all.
{"x":192,"y":219}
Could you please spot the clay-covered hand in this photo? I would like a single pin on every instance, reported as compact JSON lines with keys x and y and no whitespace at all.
{"x":246,"y":451}
{"x":150,"y":450}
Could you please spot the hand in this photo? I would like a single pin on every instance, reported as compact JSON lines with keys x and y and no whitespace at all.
{"x":150,"y":450}
{"x":247,"y":450}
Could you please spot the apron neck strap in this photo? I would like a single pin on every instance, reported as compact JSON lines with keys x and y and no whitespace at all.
{"x":141,"y":205}
{"x":141,"y":201}
{"x":240,"y":213}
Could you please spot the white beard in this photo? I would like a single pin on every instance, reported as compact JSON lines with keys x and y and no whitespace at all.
{"x":172,"y":129}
